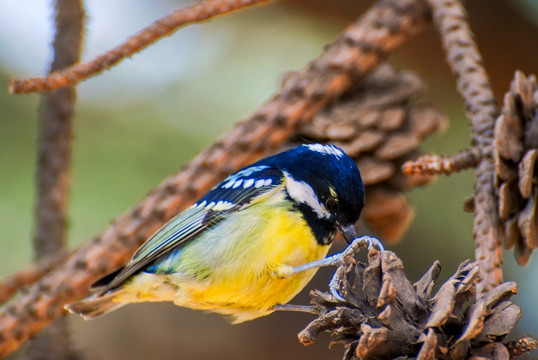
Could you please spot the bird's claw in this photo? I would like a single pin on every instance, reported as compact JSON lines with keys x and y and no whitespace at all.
{"x":347,"y":255}
{"x":371,"y":241}
{"x":333,"y":286}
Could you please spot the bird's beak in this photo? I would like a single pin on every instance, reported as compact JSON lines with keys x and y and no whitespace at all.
{"x":348,"y":232}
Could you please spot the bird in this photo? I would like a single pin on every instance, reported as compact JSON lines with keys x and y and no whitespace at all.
{"x":251,"y":244}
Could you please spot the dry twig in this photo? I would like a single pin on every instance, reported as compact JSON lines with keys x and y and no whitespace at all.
{"x":437,"y":165}
{"x":473,"y":84}
{"x":30,"y":275}
{"x":360,"y":48}
{"x":72,"y":75}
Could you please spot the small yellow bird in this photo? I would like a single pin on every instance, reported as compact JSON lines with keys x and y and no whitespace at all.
{"x":250,"y":244}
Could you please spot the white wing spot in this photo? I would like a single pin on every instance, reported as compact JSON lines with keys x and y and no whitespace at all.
{"x":259,"y":183}
{"x":228,"y":184}
{"x":267,"y":182}
{"x":210,"y":205}
{"x":238,"y":183}
{"x":248,"y":183}
{"x":326,"y":149}
{"x":202,"y":204}
{"x":223,"y":205}
{"x":250,"y":170}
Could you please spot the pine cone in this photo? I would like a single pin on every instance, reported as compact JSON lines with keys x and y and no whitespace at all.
{"x":516,"y":151}
{"x":376,"y":124}
{"x":387,"y":317}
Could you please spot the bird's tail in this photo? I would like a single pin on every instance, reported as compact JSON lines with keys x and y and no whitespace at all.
{"x":96,"y":305}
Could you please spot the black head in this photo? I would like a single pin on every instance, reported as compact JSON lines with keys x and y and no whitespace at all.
{"x":325,"y":185}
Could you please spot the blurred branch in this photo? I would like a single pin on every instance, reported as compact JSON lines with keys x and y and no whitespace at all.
{"x":473,"y":84}
{"x":437,"y":165}
{"x":30,"y":275}
{"x":358,"y":50}
{"x":72,"y":75}
{"x":56,"y":113}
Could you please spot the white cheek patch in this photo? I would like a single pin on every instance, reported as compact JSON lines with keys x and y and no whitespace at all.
{"x":303,"y":193}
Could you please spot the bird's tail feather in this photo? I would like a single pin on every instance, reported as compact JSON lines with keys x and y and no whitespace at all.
{"x":94,"y":306}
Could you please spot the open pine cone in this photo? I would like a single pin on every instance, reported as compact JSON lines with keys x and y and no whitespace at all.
{"x":516,"y":153}
{"x":377,"y":125}
{"x":387,"y":317}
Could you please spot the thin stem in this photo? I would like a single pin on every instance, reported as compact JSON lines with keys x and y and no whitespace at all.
{"x":72,"y":75}
{"x":56,"y":113}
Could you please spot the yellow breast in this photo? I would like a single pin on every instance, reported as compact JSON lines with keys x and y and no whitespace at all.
{"x":240,"y":259}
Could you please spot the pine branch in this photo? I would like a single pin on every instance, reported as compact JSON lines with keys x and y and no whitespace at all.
{"x":474,"y":86}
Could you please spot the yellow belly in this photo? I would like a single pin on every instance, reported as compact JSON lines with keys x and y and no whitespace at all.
{"x":240,"y":260}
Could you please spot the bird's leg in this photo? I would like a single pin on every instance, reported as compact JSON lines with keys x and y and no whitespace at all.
{"x":336,"y":259}
{"x":297,"y":308}
{"x":333,"y":260}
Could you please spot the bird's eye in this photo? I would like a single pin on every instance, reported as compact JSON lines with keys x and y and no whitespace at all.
{"x":332,"y":204}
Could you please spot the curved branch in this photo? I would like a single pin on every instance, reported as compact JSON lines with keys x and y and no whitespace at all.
{"x":72,"y":75}
{"x":30,"y":275}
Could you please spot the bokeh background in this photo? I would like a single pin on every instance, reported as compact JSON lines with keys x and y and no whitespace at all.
{"x":142,"y":120}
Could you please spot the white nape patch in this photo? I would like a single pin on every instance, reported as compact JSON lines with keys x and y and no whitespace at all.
{"x":303,"y":193}
{"x":259,"y":183}
{"x":248,"y":183}
{"x":238,"y":183}
{"x":326,"y":149}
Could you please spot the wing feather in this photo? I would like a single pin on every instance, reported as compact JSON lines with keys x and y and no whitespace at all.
{"x":233,"y":194}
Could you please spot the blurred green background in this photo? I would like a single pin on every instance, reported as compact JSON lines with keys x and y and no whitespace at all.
{"x":142,"y":120}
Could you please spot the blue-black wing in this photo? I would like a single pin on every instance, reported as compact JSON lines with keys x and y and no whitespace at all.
{"x":234,"y":193}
